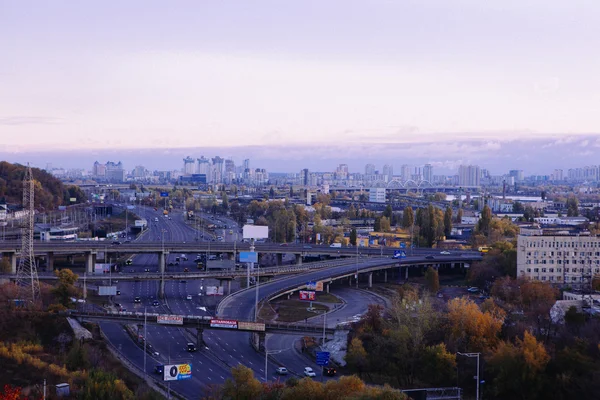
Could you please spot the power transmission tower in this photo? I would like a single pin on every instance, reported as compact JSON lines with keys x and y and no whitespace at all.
{"x":27,"y":278}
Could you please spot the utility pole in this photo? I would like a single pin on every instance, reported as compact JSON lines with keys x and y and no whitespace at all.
{"x":473,"y":355}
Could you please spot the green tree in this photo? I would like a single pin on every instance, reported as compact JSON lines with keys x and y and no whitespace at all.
{"x":384,"y":224}
{"x":291,"y":191}
{"x":448,"y":221}
{"x":353,"y":237}
{"x":101,"y":385}
{"x":433,"y":280}
{"x":518,"y":207}
{"x":65,"y":288}
{"x":572,"y":205}
{"x":271,"y":193}
{"x":388,"y":212}
{"x":459,"y":215}
{"x":224,"y":202}
{"x":356,"y":357}
{"x":485,"y":221}
{"x":408,"y":217}
{"x":438,"y":366}
{"x":377,"y":226}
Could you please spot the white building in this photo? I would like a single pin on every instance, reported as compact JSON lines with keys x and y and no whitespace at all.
{"x":571,"y":260}
{"x":377,"y":195}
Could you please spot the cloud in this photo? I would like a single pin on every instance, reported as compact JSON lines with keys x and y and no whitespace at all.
{"x":28,"y":120}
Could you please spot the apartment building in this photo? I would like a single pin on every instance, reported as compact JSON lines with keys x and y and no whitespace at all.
{"x":561,"y":259}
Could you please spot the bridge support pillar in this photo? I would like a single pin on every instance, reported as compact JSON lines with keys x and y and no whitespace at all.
{"x":50,"y":261}
{"x":199,"y":337}
{"x":350,"y":281}
{"x":71,"y":260}
{"x":228,"y":287}
{"x":258,"y":341}
{"x":298,"y":259}
{"x":406,"y":274}
{"x":385,"y":276}
{"x":12,"y":260}
{"x":162,"y":261}
{"x":279,"y":259}
{"x":370,"y":279}
{"x":161,"y":289}
{"x":90,"y":262}
{"x":329,"y":284}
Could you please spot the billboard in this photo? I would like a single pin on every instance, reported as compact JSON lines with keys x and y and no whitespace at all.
{"x":311,"y":286}
{"x":72,"y":199}
{"x":140,"y":223}
{"x":101,"y":268}
{"x":251,"y":326}
{"x":170,"y":319}
{"x":307,"y":295}
{"x":248,"y":256}
{"x":255,"y":232}
{"x":214,"y":290}
{"x":224,"y":323}
{"x":107,"y":290}
{"x":164,"y":194}
{"x":177,"y":372}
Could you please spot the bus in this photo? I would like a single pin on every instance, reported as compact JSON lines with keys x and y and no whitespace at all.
{"x":484,"y":249}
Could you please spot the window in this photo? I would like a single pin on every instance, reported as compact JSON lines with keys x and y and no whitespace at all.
{"x":558,"y":269}
{"x":543,"y":269}
{"x":536,"y":270}
{"x":528,"y":269}
{"x":559,"y":262}
{"x":566,"y":269}
{"x":551,"y":278}
{"x":551,"y":270}
{"x":543,"y":278}
{"x":551,"y":261}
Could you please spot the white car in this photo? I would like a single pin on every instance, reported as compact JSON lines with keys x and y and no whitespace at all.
{"x":189,"y":297}
{"x":281,"y":371}
{"x":308,"y":371}
{"x":445,"y":253}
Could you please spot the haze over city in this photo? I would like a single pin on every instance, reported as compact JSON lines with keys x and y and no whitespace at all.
{"x":310,"y":83}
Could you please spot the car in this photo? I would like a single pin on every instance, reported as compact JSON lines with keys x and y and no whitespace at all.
{"x":429,"y":257}
{"x":129,"y":262}
{"x":155,"y":303}
{"x":137,"y":300}
{"x":445,"y":253}
{"x":146,"y":269}
{"x":281,"y":371}
{"x":440,"y":295}
{"x":307,"y":247}
{"x":308,"y":371}
{"x":116,"y":242}
{"x":118,"y":292}
{"x":188,"y":297}
{"x":473,"y":290}
{"x":183,"y":281}
{"x":170,"y":264}
{"x":186,"y":270}
{"x":484,"y":297}
{"x":159,"y":369}
{"x":117,"y":305}
{"x":283,"y":244}
{"x":330,"y":371}
{"x":191,"y":347}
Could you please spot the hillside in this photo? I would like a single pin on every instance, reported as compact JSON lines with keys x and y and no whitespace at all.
{"x":49,"y":191}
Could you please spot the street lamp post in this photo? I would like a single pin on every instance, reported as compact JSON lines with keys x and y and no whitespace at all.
{"x":473,"y":355}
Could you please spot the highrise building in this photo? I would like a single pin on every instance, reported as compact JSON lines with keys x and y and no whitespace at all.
{"x":388,"y":172}
{"x":369,"y":169}
{"x":217,"y":169}
{"x":189,"y":166}
{"x":246,"y":164}
{"x":99,"y":170}
{"x":469,"y":175}
{"x":115,"y":172}
{"x":558,"y":175}
{"x":517,"y":174}
{"x":203,"y":166}
{"x":428,"y":173}
{"x":304,"y":177}
{"x":405,"y":172}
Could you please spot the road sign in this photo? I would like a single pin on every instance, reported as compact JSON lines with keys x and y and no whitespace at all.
{"x":323,"y":358}
{"x":170,"y":319}
{"x":307,"y":295}
{"x":251,"y":326}
{"x":224,"y":323}
{"x":311,"y":286}
{"x":402,"y":245}
{"x":164,"y":194}
{"x":248,"y":256}
{"x":399,"y":253}
{"x":177,"y":372}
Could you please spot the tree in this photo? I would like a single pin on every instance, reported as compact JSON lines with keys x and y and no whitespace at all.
{"x":433,"y":280}
{"x":518,"y":369}
{"x":408,"y":217}
{"x":438,"y":365}
{"x":470,"y":328}
{"x":485,"y":221}
{"x":388,"y":212}
{"x":356,"y":357}
{"x":65,"y":288}
{"x":459,"y":215}
{"x":377,"y":225}
{"x":518,"y":207}
{"x":271,"y":193}
{"x":291,"y":191}
{"x":353,"y":237}
{"x":572,"y":205}
{"x":384,"y":225}
{"x":224,"y":202}
{"x":242,"y":384}
{"x":448,"y":221}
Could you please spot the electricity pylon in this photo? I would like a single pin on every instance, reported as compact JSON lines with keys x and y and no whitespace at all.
{"x":27,"y":278}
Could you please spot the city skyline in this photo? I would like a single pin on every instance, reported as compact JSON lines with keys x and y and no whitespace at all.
{"x":217,"y":74}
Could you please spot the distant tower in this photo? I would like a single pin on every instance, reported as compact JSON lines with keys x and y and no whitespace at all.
{"x":27,"y":277}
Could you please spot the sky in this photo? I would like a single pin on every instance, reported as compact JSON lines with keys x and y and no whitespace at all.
{"x":295,"y":75}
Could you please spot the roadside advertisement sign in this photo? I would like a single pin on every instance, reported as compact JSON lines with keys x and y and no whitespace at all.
{"x":251,"y":326}
{"x":169,"y":319}
{"x":72,"y":199}
{"x":101,"y":268}
{"x":224,"y":323}
{"x":311,"y":286}
{"x":319,"y":286}
{"x":255,"y":232}
{"x":177,"y":372}
{"x":107,"y":290}
{"x":307,"y":295}
{"x":248,"y":256}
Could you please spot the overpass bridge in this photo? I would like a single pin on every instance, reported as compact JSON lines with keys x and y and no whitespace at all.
{"x":11,"y":250}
